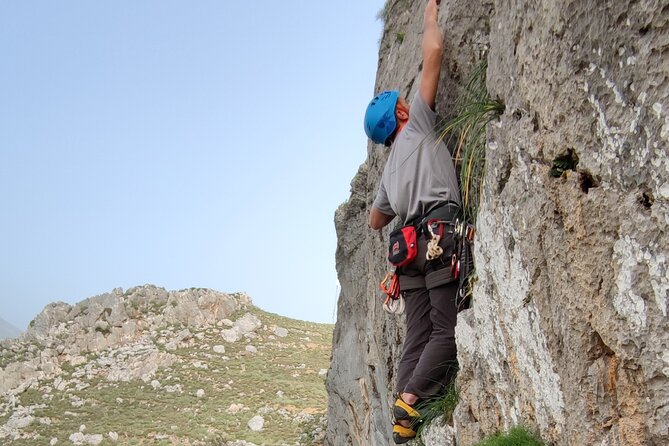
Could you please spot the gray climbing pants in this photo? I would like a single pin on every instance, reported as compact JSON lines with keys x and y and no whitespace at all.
{"x":429,"y":289}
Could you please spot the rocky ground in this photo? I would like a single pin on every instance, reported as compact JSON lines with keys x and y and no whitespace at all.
{"x":147,"y":366}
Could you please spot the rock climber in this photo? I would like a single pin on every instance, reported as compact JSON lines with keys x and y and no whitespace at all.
{"x":419,"y":186}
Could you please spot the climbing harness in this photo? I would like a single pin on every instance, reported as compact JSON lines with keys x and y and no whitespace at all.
{"x":403,"y":249}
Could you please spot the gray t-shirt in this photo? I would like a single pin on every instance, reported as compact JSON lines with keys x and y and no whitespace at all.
{"x":419,"y":173}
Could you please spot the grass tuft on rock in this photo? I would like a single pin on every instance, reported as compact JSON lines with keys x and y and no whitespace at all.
{"x":441,"y":406}
{"x":466,"y":133}
{"x":518,"y":436}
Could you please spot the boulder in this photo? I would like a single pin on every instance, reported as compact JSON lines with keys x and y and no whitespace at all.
{"x":256,"y":423}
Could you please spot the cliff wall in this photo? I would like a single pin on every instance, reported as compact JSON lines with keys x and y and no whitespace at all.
{"x":568,"y":332}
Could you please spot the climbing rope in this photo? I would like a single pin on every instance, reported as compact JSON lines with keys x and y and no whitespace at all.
{"x":434,"y":251}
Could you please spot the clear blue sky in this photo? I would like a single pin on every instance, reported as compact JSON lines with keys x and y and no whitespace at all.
{"x":184,"y":144}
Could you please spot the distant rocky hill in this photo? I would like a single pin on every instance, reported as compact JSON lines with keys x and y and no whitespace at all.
{"x":148,"y":366}
{"x":7,"y":330}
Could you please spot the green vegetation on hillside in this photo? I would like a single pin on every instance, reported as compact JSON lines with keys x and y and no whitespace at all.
{"x":204,"y":397}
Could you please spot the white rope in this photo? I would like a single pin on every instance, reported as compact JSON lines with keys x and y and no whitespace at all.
{"x":434,"y":251}
{"x":394,"y":306}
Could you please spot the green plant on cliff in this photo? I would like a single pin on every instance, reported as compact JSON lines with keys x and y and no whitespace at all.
{"x":441,"y":406}
{"x":466,"y":134}
{"x":518,"y":436}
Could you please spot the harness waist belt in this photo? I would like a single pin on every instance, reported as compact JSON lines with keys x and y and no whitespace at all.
{"x":447,"y":212}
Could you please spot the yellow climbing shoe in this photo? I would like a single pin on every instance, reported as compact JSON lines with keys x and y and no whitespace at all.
{"x":402,"y":434}
{"x":403,"y":411}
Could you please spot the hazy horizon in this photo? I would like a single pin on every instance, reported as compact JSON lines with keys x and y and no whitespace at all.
{"x":179,"y":144}
{"x":8,"y":330}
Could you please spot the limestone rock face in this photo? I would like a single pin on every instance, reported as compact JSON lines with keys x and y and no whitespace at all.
{"x":569,"y":330}
{"x":568,"y":334}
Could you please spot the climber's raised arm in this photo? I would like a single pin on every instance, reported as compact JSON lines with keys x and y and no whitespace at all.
{"x":433,"y":48}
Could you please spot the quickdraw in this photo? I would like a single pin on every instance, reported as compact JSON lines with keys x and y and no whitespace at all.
{"x":462,"y":262}
{"x":390,"y":285}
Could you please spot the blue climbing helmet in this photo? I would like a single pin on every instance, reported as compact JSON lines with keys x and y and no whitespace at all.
{"x":380,"y":121}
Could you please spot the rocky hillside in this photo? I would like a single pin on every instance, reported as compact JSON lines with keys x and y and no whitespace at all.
{"x":148,"y":366}
{"x":568,"y":334}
